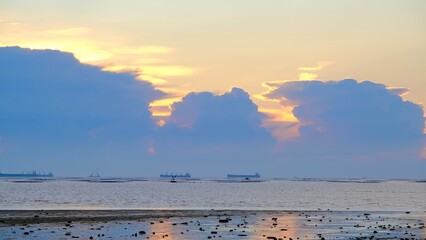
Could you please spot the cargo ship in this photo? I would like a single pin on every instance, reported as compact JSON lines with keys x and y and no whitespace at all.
{"x":175,"y":175}
{"x":243,"y":176}
{"x":26,"y":174}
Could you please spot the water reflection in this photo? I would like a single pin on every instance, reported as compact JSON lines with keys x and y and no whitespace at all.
{"x":284,"y":225}
{"x":161,"y":229}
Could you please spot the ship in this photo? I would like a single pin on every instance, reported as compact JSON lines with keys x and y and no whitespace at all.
{"x":175,"y":175}
{"x":243,"y":176}
{"x":26,"y":174}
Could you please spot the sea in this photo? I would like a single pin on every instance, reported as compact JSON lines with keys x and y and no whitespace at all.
{"x":266,"y":194}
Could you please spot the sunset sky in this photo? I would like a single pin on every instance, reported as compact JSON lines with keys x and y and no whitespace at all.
{"x":252,"y":59}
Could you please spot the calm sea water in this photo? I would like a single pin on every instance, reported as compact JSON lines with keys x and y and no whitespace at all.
{"x":274,"y":194}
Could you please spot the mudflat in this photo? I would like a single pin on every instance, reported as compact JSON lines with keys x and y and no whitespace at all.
{"x":209,"y":224}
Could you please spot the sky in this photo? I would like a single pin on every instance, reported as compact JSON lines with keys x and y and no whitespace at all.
{"x":284,"y":88}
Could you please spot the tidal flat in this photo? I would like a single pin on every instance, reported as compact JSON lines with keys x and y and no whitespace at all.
{"x":211,"y":224}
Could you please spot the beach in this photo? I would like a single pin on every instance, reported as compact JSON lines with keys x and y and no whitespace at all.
{"x":209,"y":224}
{"x":204,"y":209}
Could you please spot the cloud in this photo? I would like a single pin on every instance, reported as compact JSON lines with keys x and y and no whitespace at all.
{"x":57,"y":114}
{"x":310,"y":73}
{"x":150,"y":62}
{"x":230,"y":116}
{"x":214,"y":134}
{"x":49,"y":101}
{"x":74,"y":118}
{"x":308,"y":76}
{"x":50,"y":92}
{"x":349,"y":118}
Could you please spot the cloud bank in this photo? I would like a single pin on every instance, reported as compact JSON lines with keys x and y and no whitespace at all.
{"x":349,"y":119}
{"x":57,"y":114}
{"x":50,"y":93}
{"x":61,"y":115}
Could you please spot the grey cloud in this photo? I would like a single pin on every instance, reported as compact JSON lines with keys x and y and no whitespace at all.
{"x":356,"y":118}
{"x":229,"y":117}
{"x":47,"y":93}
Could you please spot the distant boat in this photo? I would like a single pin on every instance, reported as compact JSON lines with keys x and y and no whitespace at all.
{"x":94,"y":174}
{"x":26,"y":174}
{"x":243,"y":176}
{"x":175,"y":175}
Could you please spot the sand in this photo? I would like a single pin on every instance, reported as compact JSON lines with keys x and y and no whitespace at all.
{"x":210,"y":224}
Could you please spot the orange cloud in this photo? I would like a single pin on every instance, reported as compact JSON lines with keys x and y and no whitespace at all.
{"x":162,"y":107}
{"x":284,"y":114}
{"x":146,"y":61}
{"x":307,"y":76}
{"x":309,"y":73}
{"x":282,"y":123}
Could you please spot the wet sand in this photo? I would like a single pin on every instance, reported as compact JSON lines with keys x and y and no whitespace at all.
{"x":210,"y":224}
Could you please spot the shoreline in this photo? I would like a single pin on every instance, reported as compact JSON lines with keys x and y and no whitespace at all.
{"x":8,"y":217}
{"x":208,"y":224}
{"x":52,"y":216}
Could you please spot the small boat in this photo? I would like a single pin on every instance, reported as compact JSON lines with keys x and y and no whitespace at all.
{"x":94,"y":174}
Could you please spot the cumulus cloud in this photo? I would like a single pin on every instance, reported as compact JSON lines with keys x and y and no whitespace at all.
{"x":50,"y":102}
{"x":47,"y":92}
{"x":365,"y":119}
{"x":215,"y":134}
{"x":231,"y":116}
